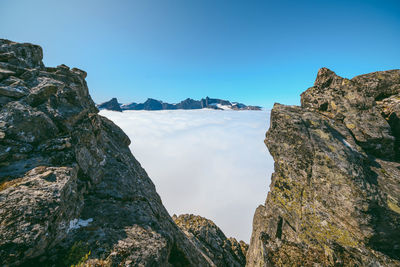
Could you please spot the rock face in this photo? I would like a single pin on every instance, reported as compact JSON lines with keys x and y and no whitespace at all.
{"x":70,"y":190}
{"x":110,"y":105}
{"x":334,"y":197}
{"x":211,"y":240}
{"x":153,"y":104}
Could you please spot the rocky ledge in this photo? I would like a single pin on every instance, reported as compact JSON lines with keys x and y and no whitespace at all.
{"x":211,"y":240}
{"x":70,"y":190}
{"x":334,"y":197}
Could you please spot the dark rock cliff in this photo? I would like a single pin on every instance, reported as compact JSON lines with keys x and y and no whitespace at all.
{"x":70,"y":190}
{"x":334,"y":197}
{"x":110,"y":105}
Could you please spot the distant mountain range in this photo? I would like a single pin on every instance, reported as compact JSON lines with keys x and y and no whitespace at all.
{"x":153,"y":104}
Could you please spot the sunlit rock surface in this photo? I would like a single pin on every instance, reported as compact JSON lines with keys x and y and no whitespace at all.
{"x":334,"y":197}
{"x":211,"y":240}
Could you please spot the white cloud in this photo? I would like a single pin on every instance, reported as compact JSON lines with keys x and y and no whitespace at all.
{"x":206,"y":162}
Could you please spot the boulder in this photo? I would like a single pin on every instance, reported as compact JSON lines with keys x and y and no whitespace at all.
{"x":222,"y":251}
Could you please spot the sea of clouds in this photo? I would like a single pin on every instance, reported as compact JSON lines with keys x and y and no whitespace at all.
{"x":211,"y":163}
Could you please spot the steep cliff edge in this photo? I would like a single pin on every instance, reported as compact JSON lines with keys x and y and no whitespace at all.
{"x":70,"y":189}
{"x":334,"y":197}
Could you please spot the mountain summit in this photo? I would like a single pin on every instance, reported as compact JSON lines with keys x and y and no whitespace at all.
{"x":153,"y":104}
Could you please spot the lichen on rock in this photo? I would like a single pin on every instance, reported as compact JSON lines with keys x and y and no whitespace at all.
{"x":212,"y":242}
{"x":336,"y":185}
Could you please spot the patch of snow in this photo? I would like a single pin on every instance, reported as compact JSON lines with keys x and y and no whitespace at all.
{"x":103,"y":162}
{"x":125,"y":105}
{"x":224,"y":107}
{"x":347,"y":144}
{"x":78,"y":223}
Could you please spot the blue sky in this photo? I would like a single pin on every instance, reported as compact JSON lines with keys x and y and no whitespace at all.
{"x":256,"y":52}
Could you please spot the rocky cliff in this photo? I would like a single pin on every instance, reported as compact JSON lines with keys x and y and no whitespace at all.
{"x":334,"y":197}
{"x":70,"y":190}
{"x":211,"y":240}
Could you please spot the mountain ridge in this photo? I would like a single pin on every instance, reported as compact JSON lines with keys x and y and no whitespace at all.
{"x":188,"y":103}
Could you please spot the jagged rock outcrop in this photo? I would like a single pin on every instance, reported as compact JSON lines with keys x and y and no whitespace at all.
{"x":70,"y":189}
{"x":211,"y":240}
{"x":149,"y":104}
{"x":111,"y":105}
{"x":334,"y":197}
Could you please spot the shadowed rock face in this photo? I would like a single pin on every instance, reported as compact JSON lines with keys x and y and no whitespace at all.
{"x":110,"y":105}
{"x":334,"y":197}
{"x":70,"y":189}
{"x":211,"y":240}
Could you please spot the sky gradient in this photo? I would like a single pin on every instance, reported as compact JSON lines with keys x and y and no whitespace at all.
{"x":255,"y":52}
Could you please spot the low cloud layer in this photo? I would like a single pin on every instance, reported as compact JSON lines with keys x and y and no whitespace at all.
{"x":205,"y":162}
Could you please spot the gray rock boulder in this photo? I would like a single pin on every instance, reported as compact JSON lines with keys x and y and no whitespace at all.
{"x":209,"y":238}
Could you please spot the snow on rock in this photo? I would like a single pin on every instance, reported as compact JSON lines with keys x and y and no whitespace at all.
{"x":78,"y":223}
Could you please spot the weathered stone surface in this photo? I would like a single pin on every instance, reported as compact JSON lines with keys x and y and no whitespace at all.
{"x":70,"y":189}
{"x":35,"y":210}
{"x":12,"y":91}
{"x":5,"y":73}
{"x":21,"y":55}
{"x":211,"y":240}
{"x":334,"y":197}
{"x":356,"y":103}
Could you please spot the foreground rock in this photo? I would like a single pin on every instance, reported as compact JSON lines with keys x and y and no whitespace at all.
{"x":70,"y":190}
{"x":211,"y":240}
{"x":334,"y":197}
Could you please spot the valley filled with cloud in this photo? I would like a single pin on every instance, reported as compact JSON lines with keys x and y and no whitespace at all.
{"x":206,"y":162}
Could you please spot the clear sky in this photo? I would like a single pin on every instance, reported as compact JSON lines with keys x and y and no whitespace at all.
{"x":256,"y":52}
